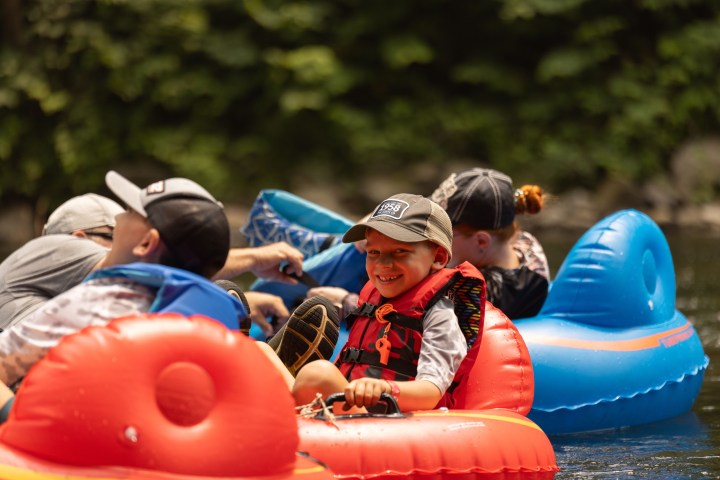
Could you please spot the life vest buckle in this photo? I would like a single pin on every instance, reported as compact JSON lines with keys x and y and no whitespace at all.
{"x":365,"y":310}
{"x":351,"y":355}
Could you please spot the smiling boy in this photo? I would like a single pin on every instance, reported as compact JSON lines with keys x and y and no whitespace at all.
{"x":405,"y":339}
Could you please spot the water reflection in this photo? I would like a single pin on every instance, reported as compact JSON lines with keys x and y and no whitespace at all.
{"x":677,"y":448}
{"x":687,"y":447}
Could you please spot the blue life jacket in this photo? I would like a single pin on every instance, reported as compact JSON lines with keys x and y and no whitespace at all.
{"x":180,"y":291}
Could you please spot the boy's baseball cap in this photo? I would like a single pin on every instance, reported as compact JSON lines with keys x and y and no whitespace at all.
{"x":407,"y":218}
{"x":191,"y":222}
{"x":82,"y":213}
{"x":479,"y":197}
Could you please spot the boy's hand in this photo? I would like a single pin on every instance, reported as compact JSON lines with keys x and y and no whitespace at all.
{"x":365,"y":392}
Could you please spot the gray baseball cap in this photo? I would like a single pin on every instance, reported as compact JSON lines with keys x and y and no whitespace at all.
{"x":407,"y":218}
{"x":82,"y":213}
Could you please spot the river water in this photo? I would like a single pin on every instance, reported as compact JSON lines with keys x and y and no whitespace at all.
{"x":687,"y":447}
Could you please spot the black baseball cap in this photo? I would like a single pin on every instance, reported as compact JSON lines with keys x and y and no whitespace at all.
{"x":191,"y":222}
{"x":481,"y":198}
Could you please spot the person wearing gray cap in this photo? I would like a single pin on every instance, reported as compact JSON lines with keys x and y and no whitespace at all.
{"x":482,"y":205}
{"x":73,"y":243}
{"x":88,"y":215}
{"x":405,"y":338}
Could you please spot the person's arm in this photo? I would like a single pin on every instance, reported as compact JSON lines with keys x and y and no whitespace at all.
{"x":7,"y":397}
{"x":263,"y":262}
{"x":412,"y":395}
{"x":27,"y":342}
{"x":91,"y":303}
{"x":443,"y":346}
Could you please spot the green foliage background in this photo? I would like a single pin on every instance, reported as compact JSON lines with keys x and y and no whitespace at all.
{"x":242,"y":95}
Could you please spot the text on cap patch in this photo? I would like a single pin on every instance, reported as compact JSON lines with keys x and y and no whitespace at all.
{"x":391,"y":208}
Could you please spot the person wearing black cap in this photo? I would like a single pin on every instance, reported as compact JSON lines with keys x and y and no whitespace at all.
{"x":175,"y":223}
{"x":405,"y":339}
{"x":192,"y":230}
{"x":482,"y":205}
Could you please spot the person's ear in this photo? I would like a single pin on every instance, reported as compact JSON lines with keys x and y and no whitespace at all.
{"x":442,"y":257}
{"x":482,"y":240}
{"x":79,"y":233}
{"x":150,"y":246}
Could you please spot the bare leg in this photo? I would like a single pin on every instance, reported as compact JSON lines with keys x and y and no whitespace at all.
{"x":280,"y":366}
{"x":321,"y":377}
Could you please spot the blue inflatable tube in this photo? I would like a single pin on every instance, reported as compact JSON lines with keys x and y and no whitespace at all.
{"x":280,"y":216}
{"x":608,"y":347}
{"x":316,"y":231}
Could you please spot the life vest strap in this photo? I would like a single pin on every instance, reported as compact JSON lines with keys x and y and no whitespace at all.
{"x":364,"y":310}
{"x":355,"y":355}
{"x":368,"y":310}
{"x":404,"y":321}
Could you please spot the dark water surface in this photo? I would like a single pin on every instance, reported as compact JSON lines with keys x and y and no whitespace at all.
{"x":687,"y":447}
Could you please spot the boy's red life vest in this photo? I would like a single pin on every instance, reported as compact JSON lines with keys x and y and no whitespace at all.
{"x":385,"y":335}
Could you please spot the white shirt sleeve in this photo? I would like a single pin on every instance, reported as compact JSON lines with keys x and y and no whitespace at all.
{"x":443,"y":346}
{"x":92,"y":303}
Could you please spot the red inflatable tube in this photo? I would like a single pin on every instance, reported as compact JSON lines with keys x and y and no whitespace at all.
{"x":487,"y":444}
{"x":484,"y":435}
{"x":154,"y":397}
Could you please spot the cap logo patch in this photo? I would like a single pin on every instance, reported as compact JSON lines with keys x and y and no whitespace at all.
{"x":155,"y":188}
{"x":391,"y":208}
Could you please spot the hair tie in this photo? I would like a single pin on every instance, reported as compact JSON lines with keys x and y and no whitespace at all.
{"x":517,"y":195}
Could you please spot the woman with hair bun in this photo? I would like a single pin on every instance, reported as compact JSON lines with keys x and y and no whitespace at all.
{"x":482,"y":205}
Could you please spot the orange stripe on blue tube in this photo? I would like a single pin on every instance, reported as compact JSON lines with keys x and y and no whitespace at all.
{"x":665,"y":339}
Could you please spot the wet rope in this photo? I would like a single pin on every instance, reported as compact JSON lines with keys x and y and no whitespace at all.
{"x":318,"y":404}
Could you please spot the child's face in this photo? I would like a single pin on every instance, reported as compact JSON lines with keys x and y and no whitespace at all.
{"x":394,"y":267}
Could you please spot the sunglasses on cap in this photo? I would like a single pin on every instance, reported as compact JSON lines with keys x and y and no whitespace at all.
{"x":105,"y":235}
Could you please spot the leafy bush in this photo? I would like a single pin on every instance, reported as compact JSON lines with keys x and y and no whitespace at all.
{"x":242,"y":95}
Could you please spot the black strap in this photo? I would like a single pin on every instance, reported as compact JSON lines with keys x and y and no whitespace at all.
{"x":368,"y":310}
{"x":308,"y":280}
{"x":305,"y":278}
{"x":327,"y":243}
{"x":364,"y":310}
{"x":355,"y":355}
{"x":404,"y":321}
